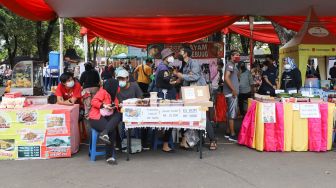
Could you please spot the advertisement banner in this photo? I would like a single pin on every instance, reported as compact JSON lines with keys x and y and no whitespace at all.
{"x":34,"y":134}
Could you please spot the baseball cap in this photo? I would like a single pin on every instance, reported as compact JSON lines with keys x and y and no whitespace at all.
{"x":122,"y":73}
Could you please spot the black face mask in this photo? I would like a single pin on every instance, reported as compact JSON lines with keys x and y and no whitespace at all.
{"x":180,"y":57}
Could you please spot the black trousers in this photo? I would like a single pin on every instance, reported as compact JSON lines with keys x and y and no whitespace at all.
{"x":242,"y":99}
{"x":108,"y":125}
{"x":144,"y":88}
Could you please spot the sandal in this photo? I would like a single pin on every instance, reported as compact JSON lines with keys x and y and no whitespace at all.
{"x":213,"y":145}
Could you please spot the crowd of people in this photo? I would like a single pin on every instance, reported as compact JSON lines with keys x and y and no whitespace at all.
{"x":101,"y":95}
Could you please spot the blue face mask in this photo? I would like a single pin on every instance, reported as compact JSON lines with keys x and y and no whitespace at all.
{"x":122,"y":83}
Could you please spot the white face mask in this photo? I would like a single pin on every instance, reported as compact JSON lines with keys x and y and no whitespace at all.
{"x":287,"y":67}
{"x":70,"y":84}
{"x":122,"y":83}
{"x":171,"y":59}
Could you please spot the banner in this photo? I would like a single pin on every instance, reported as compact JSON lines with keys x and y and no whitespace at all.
{"x":34,"y":134}
{"x":201,"y":50}
{"x":189,"y":117}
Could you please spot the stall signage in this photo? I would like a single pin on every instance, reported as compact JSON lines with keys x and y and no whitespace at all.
{"x":268,"y":113}
{"x":309,"y":111}
{"x":318,"y":32}
{"x":29,"y":152}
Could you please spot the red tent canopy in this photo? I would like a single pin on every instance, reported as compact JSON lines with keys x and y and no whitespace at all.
{"x":142,"y":31}
{"x":36,"y":10}
{"x":261,"y":32}
{"x":91,"y":35}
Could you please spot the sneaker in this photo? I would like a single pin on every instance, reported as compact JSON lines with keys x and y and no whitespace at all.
{"x":111,"y":161}
{"x":233,"y":138}
{"x":105,"y":138}
{"x":227,"y":135}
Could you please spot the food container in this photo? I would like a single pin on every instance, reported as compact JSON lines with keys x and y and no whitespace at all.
{"x":153,"y":95}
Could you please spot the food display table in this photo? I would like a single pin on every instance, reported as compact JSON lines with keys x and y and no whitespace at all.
{"x":164,"y":117}
{"x":296,"y":126}
{"x":39,"y":132}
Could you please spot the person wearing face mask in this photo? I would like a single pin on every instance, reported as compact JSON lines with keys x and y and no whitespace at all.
{"x":231,"y":92}
{"x":68,"y":92}
{"x":291,"y":77}
{"x":165,"y":86}
{"x":192,"y":76}
{"x":164,"y":77}
{"x":269,"y":79}
{"x":245,"y":88}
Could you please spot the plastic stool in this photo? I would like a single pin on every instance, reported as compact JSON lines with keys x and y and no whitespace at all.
{"x":157,"y":141}
{"x":93,"y":146}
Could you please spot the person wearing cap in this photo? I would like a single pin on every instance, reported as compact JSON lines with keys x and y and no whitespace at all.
{"x":165,"y":86}
{"x":90,"y":82}
{"x":129,"y":90}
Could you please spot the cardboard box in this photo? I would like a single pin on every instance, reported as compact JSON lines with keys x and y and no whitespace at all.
{"x":196,"y":96}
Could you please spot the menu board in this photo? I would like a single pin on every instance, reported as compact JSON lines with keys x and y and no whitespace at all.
{"x":34,"y":134}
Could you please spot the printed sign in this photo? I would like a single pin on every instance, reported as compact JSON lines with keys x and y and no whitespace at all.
{"x":309,"y":111}
{"x":170,"y":114}
{"x":268,"y":112}
{"x":29,"y":151}
{"x":34,"y":134}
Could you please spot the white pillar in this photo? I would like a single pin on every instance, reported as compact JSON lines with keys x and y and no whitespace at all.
{"x":86,"y":58}
{"x":61,"y":22}
{"x":251,"y":19}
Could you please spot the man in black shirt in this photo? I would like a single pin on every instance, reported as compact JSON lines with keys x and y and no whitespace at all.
{"x":90,"y":82}
{"x":332,"y":71}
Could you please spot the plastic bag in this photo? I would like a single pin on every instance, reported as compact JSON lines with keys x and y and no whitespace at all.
{"x":192,"y":137}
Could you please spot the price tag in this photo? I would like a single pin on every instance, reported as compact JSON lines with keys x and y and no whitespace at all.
{"x":309,"y":111}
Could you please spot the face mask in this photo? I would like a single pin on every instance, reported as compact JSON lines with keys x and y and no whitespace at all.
{"x":70,"y":84}
{"x":122,"y":83}
{"x":170,"y":59}
{"x":180,"y":57}
{"x":287,"y":67}
{"x":236,"y":59}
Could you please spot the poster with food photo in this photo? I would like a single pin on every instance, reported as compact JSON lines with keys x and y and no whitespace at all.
{"x":58,"y":147}
{"x":7,"y":149}
{"x":55,"y":124}
{"x":4,"y":121}
{"x":27,"y":117}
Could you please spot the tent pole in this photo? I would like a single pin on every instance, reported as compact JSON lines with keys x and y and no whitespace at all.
{"x":251,"y":19}
{"x":61,"y":22}
{"x":86,"y":58}
{"x":105,"y":48}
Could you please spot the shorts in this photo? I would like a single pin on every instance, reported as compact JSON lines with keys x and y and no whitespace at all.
{"x":232,"y":107}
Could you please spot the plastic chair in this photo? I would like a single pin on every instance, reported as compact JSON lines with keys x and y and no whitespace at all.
{"x":93,"y":146}
{"x":157,"y":141}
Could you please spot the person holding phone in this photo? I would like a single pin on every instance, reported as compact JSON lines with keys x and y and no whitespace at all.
{"x":105,"y":117}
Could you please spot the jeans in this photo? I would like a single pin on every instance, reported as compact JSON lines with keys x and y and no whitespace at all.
{"x":107,"y":125}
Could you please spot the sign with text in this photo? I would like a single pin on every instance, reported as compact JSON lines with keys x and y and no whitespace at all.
{"x":309,"y":111}
{"x":268,"y":112}
{"x":202,"y":50}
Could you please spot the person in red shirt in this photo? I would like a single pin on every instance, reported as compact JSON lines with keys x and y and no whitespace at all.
{"x":68,"y":92}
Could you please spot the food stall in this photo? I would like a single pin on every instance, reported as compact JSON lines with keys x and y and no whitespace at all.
{"x":153,"y":112}
{"x":288,"y":123}
{"x":42,"y":131}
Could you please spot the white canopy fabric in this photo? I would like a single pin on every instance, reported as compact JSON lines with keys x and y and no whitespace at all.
{"x":164,"y":8}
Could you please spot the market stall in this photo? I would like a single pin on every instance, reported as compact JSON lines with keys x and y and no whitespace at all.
{"x":39,"y":132}
{"x":314,"y":43}
{"x":288,"y":126}
{"x":189,"y":113}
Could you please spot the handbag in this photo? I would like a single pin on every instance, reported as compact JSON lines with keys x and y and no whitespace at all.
{"x":106,"y":112}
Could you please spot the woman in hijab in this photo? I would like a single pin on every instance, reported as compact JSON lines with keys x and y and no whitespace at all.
{"x":291,"y":77}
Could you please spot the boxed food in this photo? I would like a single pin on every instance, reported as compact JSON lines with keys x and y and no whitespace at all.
{"x":13,"y":95}
{"x":196,"y":96}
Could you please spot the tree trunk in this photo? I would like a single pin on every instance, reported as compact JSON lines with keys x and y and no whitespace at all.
{"x":95,"y":51}
{"x":43,"y":40}
{"x":245,"y":43}
{"x":284,"y":34}
{"x":11,"y":53}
